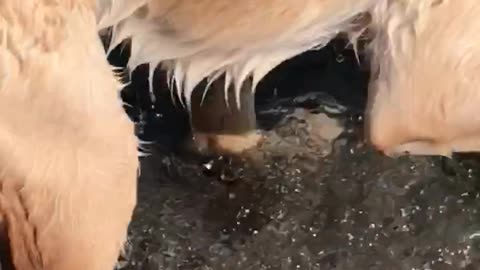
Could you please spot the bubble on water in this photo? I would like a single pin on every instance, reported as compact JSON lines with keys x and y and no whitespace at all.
{"x":340,"y":58}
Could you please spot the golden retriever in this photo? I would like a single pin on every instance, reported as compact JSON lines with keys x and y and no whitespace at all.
{"x":67,"y":150}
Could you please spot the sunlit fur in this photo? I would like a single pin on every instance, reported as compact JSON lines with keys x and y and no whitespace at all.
{"x":424,"y":94}
{"x":68,"y":160}
{"x":202,"y":39}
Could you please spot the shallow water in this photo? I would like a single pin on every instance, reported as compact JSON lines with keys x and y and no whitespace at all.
{"x":302,"y":201}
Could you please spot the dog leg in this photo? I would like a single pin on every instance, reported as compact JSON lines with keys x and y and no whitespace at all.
{"x":222,"y":127}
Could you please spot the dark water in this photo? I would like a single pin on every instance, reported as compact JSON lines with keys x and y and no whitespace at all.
{"x":295,"y":202}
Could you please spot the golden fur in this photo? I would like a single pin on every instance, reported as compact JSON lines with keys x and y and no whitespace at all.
{"x":202,"y":39}
{"x":68,"y":159}
{"x":424,"y":91}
